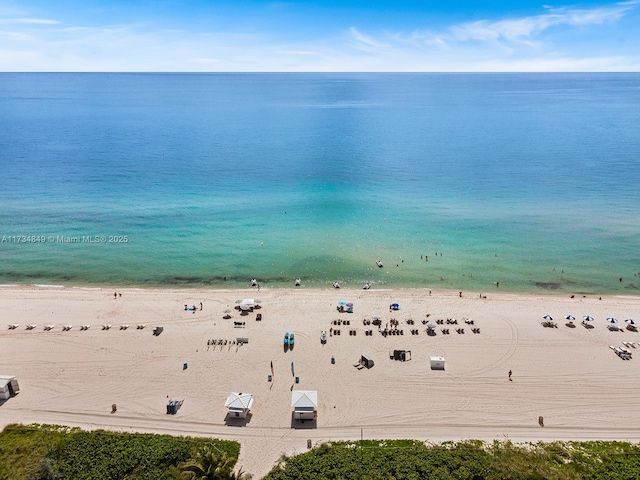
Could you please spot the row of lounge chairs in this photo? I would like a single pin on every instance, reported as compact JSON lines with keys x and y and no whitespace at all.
{"x":220,"y":341}
{"x":393,"y":331}
{"x":623,"y":353}
{"x":415,"y":331}
{"x":66,"y":328}
{"x":459,"y":331}
{"x":341,"y":322}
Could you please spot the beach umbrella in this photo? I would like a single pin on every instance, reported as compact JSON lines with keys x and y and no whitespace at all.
{"x":431,"y":325}
{"x":395,"y":305}
{"x":257,"y":300}
{"x":349,"y":304}
{"x":612,"y":320}
{"x":588,"y":318}
{"x":245,"y":307}
{"x":548,"y":317}
{"x":342,"y":303}
{"x":571,"y":318}
{"x":376,"y":317}
{"x":239,"y":301}
{"x":630,"y":321}
{"x":227,"y":310}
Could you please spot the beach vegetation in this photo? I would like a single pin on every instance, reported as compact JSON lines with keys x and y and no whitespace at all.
{"x":45,"y":452}
{"x":466,"y":460}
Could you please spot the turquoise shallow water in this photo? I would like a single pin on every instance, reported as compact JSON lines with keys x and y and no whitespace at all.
{"x":530,"y":180}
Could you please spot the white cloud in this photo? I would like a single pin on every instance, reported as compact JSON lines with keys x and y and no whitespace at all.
{"x":365,"y":41}
{"x":521,"y":29}
{"x":30,"y":21}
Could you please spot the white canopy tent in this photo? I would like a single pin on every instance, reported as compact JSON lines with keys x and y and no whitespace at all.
{"x":239,"y":404}
{"x":247,"y":304}
{"x":304,"y":403}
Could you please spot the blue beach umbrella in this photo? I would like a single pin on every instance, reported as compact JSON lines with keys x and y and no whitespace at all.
{"x":342,"y":303}
{"x":548,"y":317}
{"x":630,"y":321}
{"x":571,"y":318}
{"x":612,"y":320}
{"x":395,"y":305}
{"x":588,"y":318}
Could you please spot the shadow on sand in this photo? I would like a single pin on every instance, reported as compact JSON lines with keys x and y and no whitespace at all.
{"x":232,"y":421}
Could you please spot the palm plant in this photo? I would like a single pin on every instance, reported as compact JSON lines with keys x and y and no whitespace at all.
{"x":210,"y":465}
{"x":240,"y":475}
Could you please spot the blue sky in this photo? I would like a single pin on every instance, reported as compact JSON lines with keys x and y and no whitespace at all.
{"x":332,"y":35}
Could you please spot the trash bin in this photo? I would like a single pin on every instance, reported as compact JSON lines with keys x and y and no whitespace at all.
{"x":333,"y":360}
{"x":269,"y":378}
{"x":184,"y":367}
{"x":297,"y":379}
{"x":541,"y":421}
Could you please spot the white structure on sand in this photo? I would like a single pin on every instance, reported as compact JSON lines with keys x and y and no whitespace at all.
{"x":239,"y":404}
{"x":304,"y":403}
{"x":437,"y":363}
{"x":8,"y":386}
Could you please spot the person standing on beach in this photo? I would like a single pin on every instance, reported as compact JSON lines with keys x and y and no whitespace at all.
{"x":510,"y":376}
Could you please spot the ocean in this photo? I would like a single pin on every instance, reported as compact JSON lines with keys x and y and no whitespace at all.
{"x":516,"y":182}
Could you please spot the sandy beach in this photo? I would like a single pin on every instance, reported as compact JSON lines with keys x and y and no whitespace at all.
{"x":569,"y":376}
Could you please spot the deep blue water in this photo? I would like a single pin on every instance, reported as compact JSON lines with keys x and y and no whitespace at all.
{"x":532,"y":180}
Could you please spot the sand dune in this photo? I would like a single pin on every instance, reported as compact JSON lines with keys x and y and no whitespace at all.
{"x":569,"y":376}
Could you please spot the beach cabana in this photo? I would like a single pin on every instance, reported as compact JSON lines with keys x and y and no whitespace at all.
{"x":305,"y":404}
{"x":239,"y":404}
{"x":437,"y":363}
{"x":8,"y":386}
